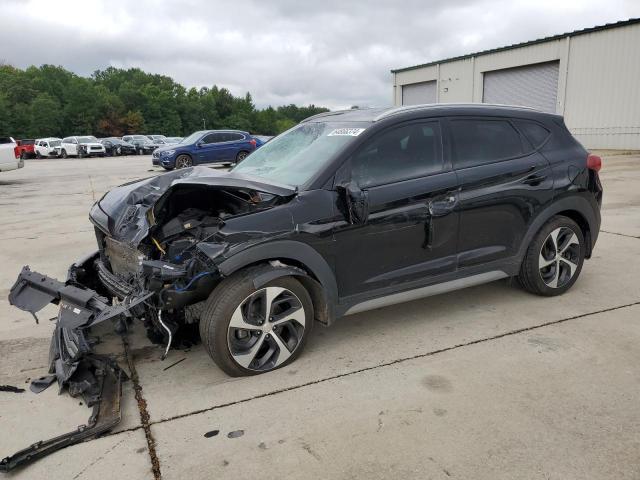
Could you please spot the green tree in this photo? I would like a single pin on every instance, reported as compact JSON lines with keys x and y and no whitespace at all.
{"x":49,"y":100}
{"x":44,"y":117}
{"x":133,"y":122}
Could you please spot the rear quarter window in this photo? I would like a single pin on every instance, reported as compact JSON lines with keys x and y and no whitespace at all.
{"x":535,"y":133}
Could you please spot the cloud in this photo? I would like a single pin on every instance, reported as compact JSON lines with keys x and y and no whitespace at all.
{"x":332,"y":53}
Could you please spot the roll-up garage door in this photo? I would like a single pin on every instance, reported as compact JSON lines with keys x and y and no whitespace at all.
{"x":417,"y":93}
{"x":530,"y":86}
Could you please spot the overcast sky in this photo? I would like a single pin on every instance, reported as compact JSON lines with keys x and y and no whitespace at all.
{"x":332,"y":53}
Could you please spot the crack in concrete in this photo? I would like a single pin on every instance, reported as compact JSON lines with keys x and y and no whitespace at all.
{"x":144,"y":413}
{"x":100,"y":457}
{"x":367,"y":369}
{"x":619,"y":234}
{"x":394,"y":362}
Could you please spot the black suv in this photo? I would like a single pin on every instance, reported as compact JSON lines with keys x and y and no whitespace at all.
{"x":347,"y":212}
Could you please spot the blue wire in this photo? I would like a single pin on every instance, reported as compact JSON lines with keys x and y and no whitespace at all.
{"x":198,"y":276}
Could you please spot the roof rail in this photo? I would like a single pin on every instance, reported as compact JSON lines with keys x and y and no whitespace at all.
{"x":409,"y":108}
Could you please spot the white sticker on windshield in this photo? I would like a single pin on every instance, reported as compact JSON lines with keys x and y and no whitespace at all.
{"x":349,"y":132}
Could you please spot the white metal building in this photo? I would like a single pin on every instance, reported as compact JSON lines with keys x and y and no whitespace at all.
{"x":590,"y":76}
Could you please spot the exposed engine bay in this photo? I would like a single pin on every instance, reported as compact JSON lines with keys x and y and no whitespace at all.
{"x":174,"y":259}
{"x":160,"y":241}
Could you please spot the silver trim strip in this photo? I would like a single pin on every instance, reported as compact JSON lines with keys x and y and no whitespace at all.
{"x":426,"y":291}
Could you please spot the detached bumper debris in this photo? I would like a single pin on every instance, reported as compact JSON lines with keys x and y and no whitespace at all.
{"x":104,"y":389}
{"x":97,"y":379}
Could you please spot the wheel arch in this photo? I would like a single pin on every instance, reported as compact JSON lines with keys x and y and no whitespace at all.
{"x":576,"y":208}
{"x":243,"y":150}
{"x":296,"y":259}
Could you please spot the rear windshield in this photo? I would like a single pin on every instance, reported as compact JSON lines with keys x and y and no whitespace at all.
{"x":87,"y":140}
{"x":54,"y":143}
{"x":298,"y":154}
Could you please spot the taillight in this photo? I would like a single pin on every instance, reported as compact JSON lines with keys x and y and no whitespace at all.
{"x":594,"y":162}
{"x":253,"y":142}
{"x":15,"y":152}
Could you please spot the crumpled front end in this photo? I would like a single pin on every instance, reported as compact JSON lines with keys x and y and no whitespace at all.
{"x":160,"y":241}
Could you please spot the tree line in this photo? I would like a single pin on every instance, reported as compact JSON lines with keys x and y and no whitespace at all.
{"x":52,"y":101}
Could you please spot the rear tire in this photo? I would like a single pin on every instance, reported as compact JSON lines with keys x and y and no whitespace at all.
{"x":554,"y":258}
{"x":241,"y":156}
{"x":225,"y":343}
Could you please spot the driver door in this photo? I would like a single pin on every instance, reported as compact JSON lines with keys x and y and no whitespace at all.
{"x":208,"y":148}
{"x":411,"y":229}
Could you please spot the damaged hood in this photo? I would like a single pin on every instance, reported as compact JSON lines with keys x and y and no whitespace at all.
{"x":122,"y":212}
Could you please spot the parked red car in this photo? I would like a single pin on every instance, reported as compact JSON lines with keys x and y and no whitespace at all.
{"x":26,"y":149}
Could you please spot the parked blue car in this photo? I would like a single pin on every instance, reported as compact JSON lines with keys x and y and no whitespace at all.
{"x":206,"y":146}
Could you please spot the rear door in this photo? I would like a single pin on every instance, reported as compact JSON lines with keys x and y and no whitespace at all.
{"x":411,"y":229}
{"x":229,"y":146}
{"x":504,"y":182}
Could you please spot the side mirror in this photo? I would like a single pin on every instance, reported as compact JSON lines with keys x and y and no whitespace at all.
{"x":199,"y":143}
{"x":354,"y":202}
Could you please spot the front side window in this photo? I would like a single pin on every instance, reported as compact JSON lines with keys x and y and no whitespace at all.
{"x":211,"y":138}
{"x":297,"y":155}
{"x":481,"y":141}
{"x":398,"y":154}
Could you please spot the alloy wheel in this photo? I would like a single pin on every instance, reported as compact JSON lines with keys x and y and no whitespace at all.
{"x":241,"y":156}
{"x":183,"y":161}
{"x":559,"y":257}
{"x":266,"y":329}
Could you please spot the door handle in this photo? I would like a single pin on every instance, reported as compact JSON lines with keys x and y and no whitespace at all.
{"x":534,"y":179}
{"x":442,"y":205}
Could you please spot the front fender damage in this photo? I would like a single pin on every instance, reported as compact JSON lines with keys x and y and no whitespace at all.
{"x":96,"y":378}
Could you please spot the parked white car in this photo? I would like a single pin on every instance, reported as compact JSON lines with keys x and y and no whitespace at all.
{"x":80,"y":147}
{"x":48,"y":147}
{"x":8,"y":158}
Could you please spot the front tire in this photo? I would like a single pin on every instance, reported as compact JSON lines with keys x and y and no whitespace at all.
{"x":38,"y":156}
{"x":63,"y":154}
{"x":184,"y":161}
{"x":248,"y":331}
{"x":554,"y":258}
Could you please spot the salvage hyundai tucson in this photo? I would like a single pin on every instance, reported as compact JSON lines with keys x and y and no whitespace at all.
{"x":346,"y":212}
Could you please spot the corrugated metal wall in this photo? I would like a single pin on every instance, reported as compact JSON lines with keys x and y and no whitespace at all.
{"x":533,"y":86}
{"x":598,"y":82}
{"x":602,"y":105}
{"x":419,"y":93}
